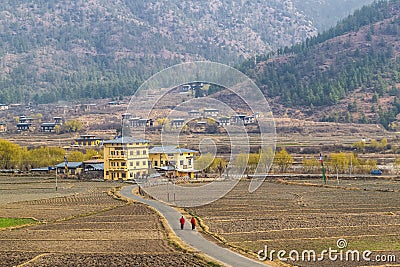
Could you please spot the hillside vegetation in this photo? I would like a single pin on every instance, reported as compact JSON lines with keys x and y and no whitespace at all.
{"x":356,"y":61}
{"x":57,"y":49}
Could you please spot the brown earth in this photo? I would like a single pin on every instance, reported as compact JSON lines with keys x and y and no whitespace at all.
{"x":296,"y":217}
{"x":89,"y":229}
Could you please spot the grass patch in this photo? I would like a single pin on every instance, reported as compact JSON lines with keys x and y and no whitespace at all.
{"x":10,"y":222}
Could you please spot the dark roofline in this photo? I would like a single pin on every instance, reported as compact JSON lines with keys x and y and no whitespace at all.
{"x":125,"y":140}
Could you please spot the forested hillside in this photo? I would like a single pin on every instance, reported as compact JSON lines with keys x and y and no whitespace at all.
{"x":358,"y":60}
{"x":58,"y":49}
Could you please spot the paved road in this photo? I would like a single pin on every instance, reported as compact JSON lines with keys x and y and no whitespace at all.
{"x":194,"y":238}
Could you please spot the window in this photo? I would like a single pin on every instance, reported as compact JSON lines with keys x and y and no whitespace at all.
{"x":144,"y":163}
{"x":161,"y":163}
{"x":155,"y":163}
{"x":137,"y":152}
{"x":123,"y":164}
{"x":189,"y":162}
{"x":131,"y":153}
{"x":181,"y":162}
{"x":137,"y":163}
{"x":123,"y":175}
{"x":131,"y":164}
{"x":144,"y":152}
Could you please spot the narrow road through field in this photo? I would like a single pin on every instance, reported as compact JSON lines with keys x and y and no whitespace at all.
{"x":194,"y":238}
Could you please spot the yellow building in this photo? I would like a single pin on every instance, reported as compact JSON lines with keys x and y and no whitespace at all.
{"x":88,"y":140}
{"x":170,"y":159}
{"x":125,"y":158}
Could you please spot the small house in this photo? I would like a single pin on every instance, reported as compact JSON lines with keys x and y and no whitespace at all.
{"x":25,"y":119}
{"x":58,"y":120}
{"x":249,"y":120}
{"x":194,"y":114}
{"x":3,"y":127}
{"x":223,"y":121}
{"x":134,"y":122}
{"x":177,"y":123}
{"x":126,"y":117}
{"x":48,"y":127}
{"x":210,"y":112}
{"x":3,"y":107}
{"x":88,"y":140}
{"x":23,"y":126}
{"x":72,"y":168}
{"x":238,"y":119}
{"x":145,"y":123}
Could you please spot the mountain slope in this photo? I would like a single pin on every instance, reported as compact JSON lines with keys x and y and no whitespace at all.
{"x":354,"y":66}
{"x":58,"y":49}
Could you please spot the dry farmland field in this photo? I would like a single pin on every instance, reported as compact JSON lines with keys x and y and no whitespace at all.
{"x":81,"y":225}
{"x":302,"y":215}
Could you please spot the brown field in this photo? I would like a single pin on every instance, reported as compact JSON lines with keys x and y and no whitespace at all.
{"x":89,"y":228}
{"x":290,"y":216}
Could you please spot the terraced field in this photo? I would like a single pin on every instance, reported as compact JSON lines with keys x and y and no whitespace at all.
{"x":89,"y":228}
{"x":299,"y":217}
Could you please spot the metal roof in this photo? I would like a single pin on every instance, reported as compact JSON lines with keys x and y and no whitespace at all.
{"x":97,"y":166}
{"x":71,"y":165}
{"x":48,"y":124}
{"x":170,"y":150}
{"x":125,"y":140}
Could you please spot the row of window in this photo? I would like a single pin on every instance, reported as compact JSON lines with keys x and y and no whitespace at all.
{"x":131,"y":163}
{"x":131,"y":153}
{"x":122,"y":175}
{"x":128,"y":144}
{"x":181,"y":163}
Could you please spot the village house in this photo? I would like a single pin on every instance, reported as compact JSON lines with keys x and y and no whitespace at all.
{"x":134,"y":122}
{"x":173,"y":160}
{"x":145,"y":123}
{"x":249,"y":120}
{"x":48,"y":127}
{"x":177,"y":123}
{"x":58,"y":120}
{"x":210,"y":112}
{"x":125,"y":158}
{"x":23,"y":126}
{"x":140,"y":122}
{"x":25,"y":119}
{"x":3,"y":127}
{"x":3,"y":107}
{"x":194,"y":114}
{"x":126,"y":117}
{"x":238,"y":119}
{"x":70,"y":168}
{"x":85,"y":107}
{"x":88,"y":140}
{"x":224,"y":121}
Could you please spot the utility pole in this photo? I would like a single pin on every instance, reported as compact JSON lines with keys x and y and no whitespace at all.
{"x":323,"y":168}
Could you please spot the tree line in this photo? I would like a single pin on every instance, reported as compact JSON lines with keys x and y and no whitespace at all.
{"x":303,"y":79}
{"x":13,"y":156}
{"x":282,"y":162}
